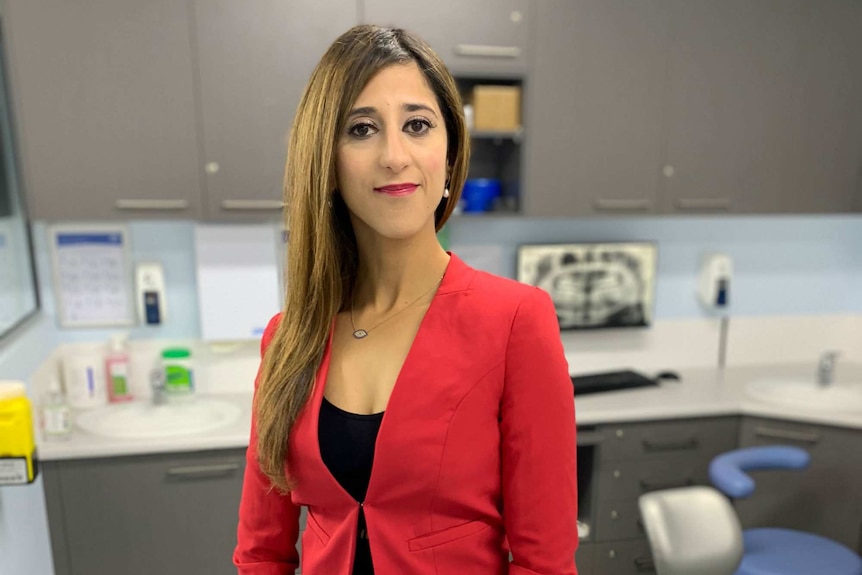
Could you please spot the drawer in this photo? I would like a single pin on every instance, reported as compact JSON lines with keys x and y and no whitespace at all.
{"x":628,"y":478}
{"x":622,"y":558}
{"x":618,"y":519}
{"x":757,"y":431}
{"x":584,"y":558}
{"x":681,"y":437}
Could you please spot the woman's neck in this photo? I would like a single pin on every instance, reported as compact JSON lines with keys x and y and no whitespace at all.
{"x":392,"y":274}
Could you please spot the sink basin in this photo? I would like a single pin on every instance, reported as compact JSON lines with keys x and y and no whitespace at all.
{"x":840,"y":397}
{"x":142,"y":420}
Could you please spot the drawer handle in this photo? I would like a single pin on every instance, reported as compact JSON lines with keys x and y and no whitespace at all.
{"x":670,"y":484}
{"x":800,"y":436}
{"x":621,"y":204}
{"x":644,"y":564}
{"x":152,"y":204}
{"x":703,"y":203}
{"x":681,"y":445}
{"x":485,"y":51}
{"x":252,"y":204}
{"x":200,"y":471}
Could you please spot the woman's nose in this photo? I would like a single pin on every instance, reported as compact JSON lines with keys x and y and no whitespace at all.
{"x":394,"y":155}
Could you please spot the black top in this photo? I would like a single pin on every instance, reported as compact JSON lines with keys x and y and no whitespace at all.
{"x":347,"y":448}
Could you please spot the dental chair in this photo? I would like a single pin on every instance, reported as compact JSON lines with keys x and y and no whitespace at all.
{"x":695,"y":530}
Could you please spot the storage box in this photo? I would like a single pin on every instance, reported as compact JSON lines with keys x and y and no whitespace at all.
{"x":497,"y":108}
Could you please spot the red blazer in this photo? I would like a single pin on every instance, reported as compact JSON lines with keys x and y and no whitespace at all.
{"x":475,"y":457}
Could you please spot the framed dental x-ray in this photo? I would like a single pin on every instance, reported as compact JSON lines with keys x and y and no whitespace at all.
{"x":594,"y":285}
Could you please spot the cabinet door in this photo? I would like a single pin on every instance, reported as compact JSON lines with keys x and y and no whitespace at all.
{"x":829,"y":162}
{"x":732,"y":105}
{"x":254,"y":60}
{"x":104,"y":101}
{"x":479,"y":38}
{"x":594,"y":107}
{"x":169,"y":514}
{"x":632,"y":557}
{"x":825,"y":498}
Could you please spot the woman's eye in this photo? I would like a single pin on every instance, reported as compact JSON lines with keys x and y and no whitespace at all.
{"x":418,"y":126}
{"x":361,"y":130}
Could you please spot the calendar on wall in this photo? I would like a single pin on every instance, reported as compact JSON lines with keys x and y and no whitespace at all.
{"x":92,"y":276}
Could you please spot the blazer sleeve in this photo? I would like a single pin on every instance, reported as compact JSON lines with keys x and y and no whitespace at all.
{"x":268,"y":521}
{"x":539,"y":457}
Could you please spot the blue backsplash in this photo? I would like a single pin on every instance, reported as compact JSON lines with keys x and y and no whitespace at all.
{"x":783,"y":265}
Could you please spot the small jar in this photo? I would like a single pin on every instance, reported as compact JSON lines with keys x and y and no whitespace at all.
{"x":179,"y":372}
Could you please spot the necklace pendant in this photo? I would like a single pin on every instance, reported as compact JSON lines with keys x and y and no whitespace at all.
{"x":360,"y":333}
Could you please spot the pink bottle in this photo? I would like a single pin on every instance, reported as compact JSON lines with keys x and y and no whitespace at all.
{"x":117,"y":370}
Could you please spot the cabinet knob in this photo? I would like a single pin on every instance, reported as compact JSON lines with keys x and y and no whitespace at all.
{"x":612,"y":554}
{"x":516,"y":16}
{"x":212,"y":168}
{"x":668,"y":171}
{"x":617,"y":474}
{"x":615,"y":514}
{"x":620,"y":433}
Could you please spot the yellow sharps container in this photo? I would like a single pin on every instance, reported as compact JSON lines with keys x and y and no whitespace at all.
{"x":17,"y":440}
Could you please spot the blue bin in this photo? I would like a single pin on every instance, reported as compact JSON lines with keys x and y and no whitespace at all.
{"x":479,"y":194}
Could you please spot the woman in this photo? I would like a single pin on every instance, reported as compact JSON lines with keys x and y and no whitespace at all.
{"x":452,"y":381}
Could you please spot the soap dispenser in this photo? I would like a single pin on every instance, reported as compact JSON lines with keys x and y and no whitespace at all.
{"x":715,"y":275}
{"x":117,"y":370}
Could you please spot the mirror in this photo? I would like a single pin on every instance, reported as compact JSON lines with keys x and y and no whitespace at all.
{"x":18,"y":294}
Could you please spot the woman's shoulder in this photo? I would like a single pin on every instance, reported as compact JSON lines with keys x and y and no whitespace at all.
{"x":506,"y":291}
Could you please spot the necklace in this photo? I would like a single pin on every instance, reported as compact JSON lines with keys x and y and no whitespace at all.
{"x":363,"y":333}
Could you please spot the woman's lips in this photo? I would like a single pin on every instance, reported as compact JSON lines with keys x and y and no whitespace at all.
{"x":397,"y":189}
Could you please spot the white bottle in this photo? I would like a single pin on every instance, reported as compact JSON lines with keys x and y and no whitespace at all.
{"x":56,"y":413}
{"x":84,"y":375}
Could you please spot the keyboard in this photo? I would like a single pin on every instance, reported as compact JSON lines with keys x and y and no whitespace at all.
{"x":610,"y":381}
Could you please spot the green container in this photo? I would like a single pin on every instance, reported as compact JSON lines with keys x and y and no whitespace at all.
{"x":179,"y":373}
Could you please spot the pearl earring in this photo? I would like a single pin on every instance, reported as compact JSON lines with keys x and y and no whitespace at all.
{"x":446,"y":193}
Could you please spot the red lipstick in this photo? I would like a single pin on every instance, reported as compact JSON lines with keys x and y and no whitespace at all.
{"x":397,"y":189}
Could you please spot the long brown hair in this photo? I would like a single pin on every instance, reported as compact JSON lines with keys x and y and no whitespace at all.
{"x":322,"y":256}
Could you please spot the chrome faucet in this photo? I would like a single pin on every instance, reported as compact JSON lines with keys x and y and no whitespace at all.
{"x":157,"y":384}
{"x":826,"y":368}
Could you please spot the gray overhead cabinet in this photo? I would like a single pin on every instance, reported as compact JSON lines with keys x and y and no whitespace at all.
{"x":254,"y":59}
{"x":161,"y":109}
{"x":103,"y":97}
{"x":478,"y":38}
{"x":828,"y":166}
{"x":182,"y":109}
{"x":594,"y":107}
{"x":731,"y":113}
{"x":694,"y":106}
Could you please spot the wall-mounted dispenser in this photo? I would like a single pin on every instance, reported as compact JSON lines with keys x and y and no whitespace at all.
{"x":715,"y":279}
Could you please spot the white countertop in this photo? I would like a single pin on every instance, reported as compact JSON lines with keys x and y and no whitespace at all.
{"x":699,"y":393}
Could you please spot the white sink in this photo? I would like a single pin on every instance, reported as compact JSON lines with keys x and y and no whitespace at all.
{"x":839,"y":397}
{"x":143,"y":420}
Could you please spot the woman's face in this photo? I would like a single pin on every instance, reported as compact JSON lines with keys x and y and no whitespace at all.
{"x":391,"y":158}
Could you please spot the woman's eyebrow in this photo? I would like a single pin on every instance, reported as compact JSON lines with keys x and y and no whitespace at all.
{"x":372,"y":111}
{"x":364,"y":111}
{"x":418,"y":107}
